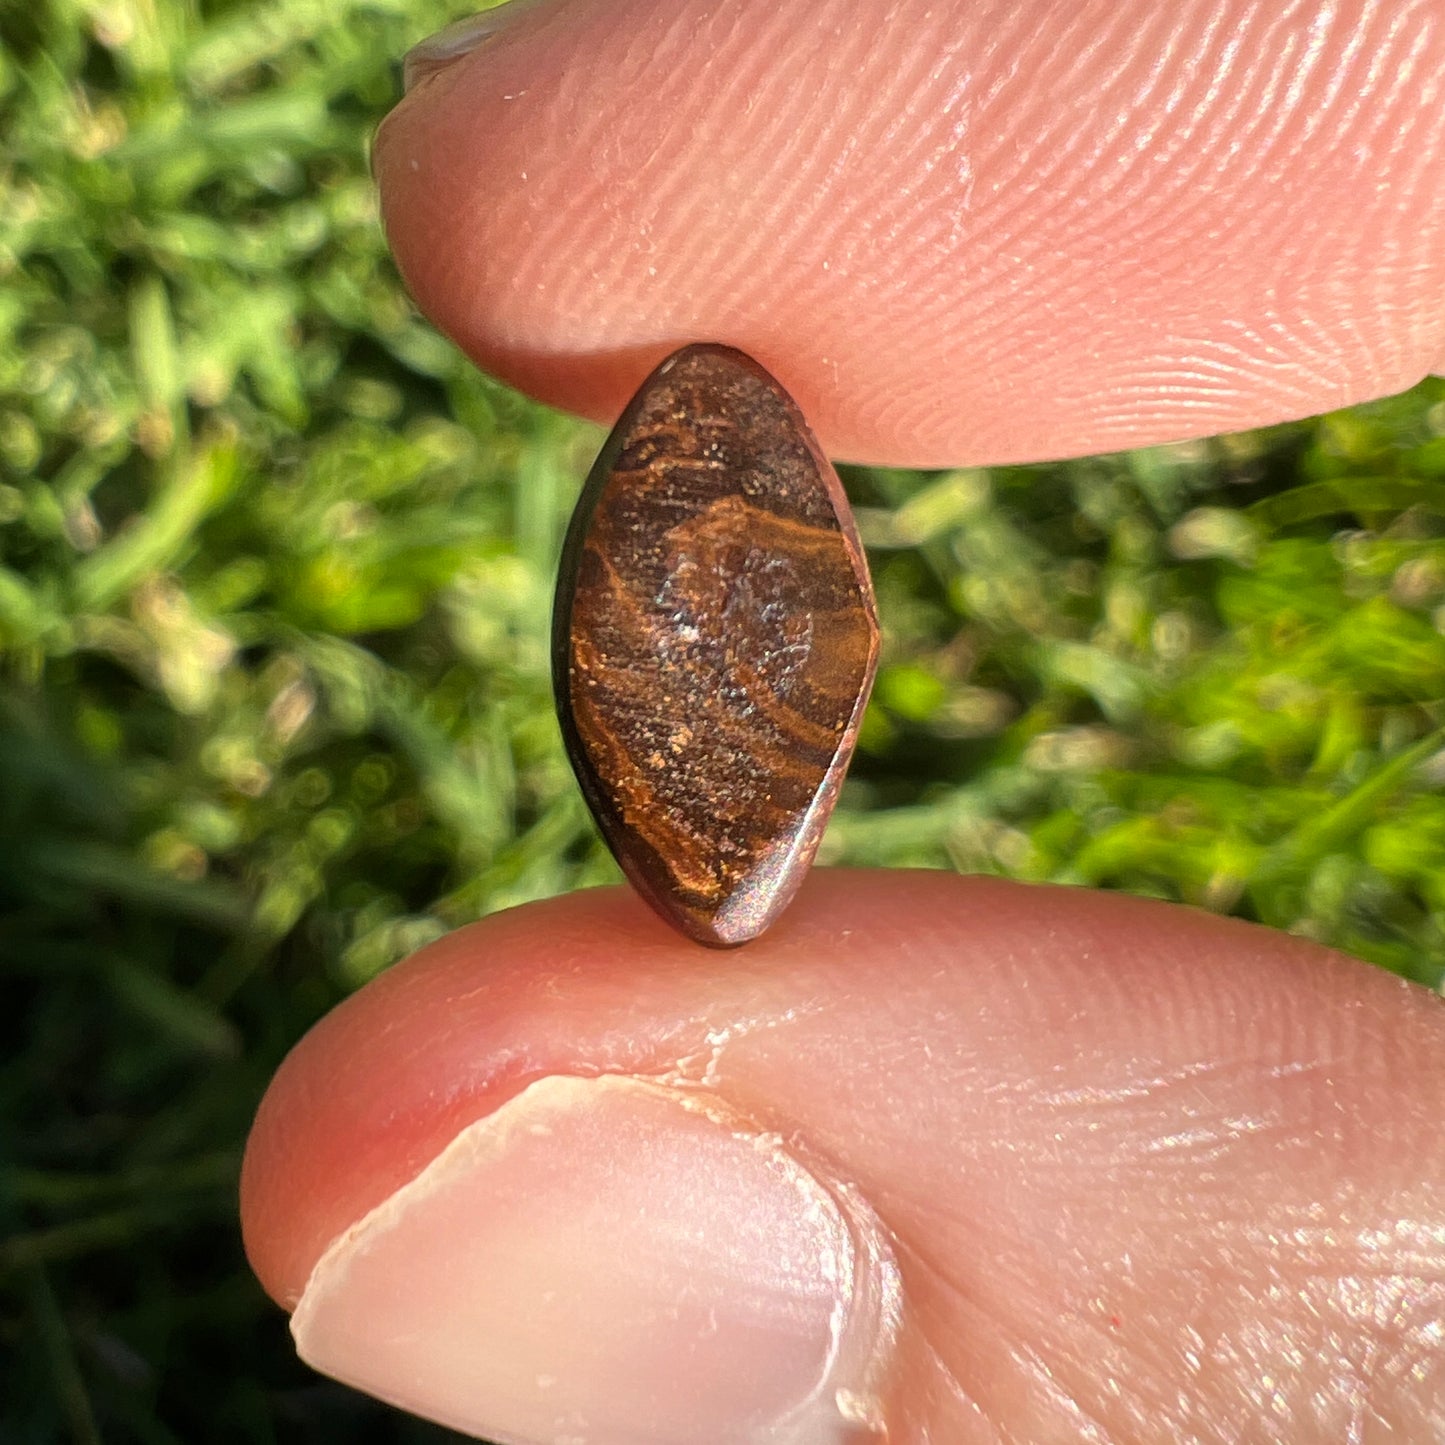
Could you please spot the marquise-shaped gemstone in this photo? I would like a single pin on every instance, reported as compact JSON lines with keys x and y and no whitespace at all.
{"x":714,"y":643}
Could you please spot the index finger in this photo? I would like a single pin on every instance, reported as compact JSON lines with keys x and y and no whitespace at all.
{"x":957,"y":231}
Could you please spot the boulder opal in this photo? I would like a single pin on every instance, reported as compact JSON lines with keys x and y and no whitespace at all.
{"x":714,"y":643}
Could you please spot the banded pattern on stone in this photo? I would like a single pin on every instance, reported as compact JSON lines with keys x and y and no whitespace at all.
{"x":714,"y":643}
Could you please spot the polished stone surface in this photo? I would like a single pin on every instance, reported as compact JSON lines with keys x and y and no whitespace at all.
{"x":714,"y":643}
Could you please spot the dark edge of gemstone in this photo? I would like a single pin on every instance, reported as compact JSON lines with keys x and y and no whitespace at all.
{"x":601,"y":807}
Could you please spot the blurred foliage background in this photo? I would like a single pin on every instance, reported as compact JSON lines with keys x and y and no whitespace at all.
{"x":275,"y":572}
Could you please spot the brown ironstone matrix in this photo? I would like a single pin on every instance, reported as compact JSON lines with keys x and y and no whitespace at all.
{"x":714,"y":643}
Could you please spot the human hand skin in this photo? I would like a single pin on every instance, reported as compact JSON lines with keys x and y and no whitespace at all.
{"x":1029,"y":1164}
{"x":937,"y":1160}
{"x":959,"y":231}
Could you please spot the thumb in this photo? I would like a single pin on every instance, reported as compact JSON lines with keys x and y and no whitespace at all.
{"x":935,"y":1160}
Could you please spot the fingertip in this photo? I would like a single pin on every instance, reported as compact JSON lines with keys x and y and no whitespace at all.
{"x":934,"y":231}
{"x":632,"y":1174}
{"x":733,"y":1294}
{"x":381,"y":1085}
{"x":594,"y":983}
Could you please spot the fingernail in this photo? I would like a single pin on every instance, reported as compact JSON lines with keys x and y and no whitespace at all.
{"x":610,"y":1261}
{"x":459,"y":38}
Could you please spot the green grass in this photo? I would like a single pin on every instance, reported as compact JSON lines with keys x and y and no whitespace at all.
{"x":275,"y":569}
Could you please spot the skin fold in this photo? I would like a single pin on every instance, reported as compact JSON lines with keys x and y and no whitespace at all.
{"x":1016,"y":1164}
